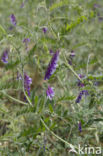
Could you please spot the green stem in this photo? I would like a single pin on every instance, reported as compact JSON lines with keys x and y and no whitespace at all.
{"x":66,"y":63}
{"x":70,"y":145}
{"x":28,"y":99}
{"x":12,"y":98}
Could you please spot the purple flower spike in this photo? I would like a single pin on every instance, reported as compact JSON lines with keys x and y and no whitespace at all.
{"x":83,"y":92}
{"x":4,"y":57}
{"x":13,"y":19}
{"x":51,"y":51}
{"x":26,"y":41}
{"x":50,"y":93}
{"x":79,"y":127}
{"x":79,"y":97}
{"x":52,"y":65}
{"x":45,"y":30}
{"x":80,"y":84}
{"x":27,"y":83}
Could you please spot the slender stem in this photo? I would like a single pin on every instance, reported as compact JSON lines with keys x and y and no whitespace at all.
{"x":71,"y":146}
{"x":12,"y":98}
{"x":88,"y":63}
{"x":53,"y":32}
{"x":66,"y":63}
{"x":27,"y":98}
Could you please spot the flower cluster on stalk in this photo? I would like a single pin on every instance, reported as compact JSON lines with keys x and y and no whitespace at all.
{"x":50,"y":93}
{"x":80,"y":84}
{"x":52,"y":65}
{"x":79,"y":127}
{"x":4,"y":57}
{"x":27,"y":83}
{"x":83,"y":92}
{"x":72,"y":54}
{"x":13,"y":19}
{"x":44,"y":29}
{"x":26,"y":41}
{"x":50,"y":70}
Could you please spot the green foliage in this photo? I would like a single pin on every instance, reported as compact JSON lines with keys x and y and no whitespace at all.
{"x":39,"y":126}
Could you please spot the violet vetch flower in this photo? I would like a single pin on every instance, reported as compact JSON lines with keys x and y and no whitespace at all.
{"x":13,"y":19}
{"x":80,"y":84}
{"x":79,"y":127}
{"x":83,"y":92}
{"x":50,"y":93}
{"x":11,"y":28}
{"x":51,"y":51}
{"x":79,"y":97}
{"x":22,"y":5}
{"x":52,"y":65}
{"x":96,"y":83}
{"x":26,"y":41}
{"x":96,"y":6}
{"x":4,"y":57}
{"x":100,"y":18}
{"x":45,"y":30}
{"x":72,"y":54}
{"x":19,"y":77}
{"x":27,"y":83}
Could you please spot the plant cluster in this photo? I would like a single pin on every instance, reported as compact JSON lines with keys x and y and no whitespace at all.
{"x":51,"y":81}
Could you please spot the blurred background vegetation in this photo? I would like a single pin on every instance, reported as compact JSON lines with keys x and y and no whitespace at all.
{"x":71,"y":26}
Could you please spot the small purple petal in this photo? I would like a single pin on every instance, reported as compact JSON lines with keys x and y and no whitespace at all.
{"x":45,"y":30}
{"x":72,"y":53}
{"x":11,"y":28}
{"x":79,"y":127}
{"x":50,"y":93}
{"x":100,"y":19}
{"x":26,"y":41}
{"x":19,"y":77}
{"x":13,"y":19}
{"x":79,"y":98}
{"x":70,"y":62}
{"x":51,"y":51}
{"x":83,"y":92}
{"x":96,"y":6}
{"x":27,"y":83}
{"x":22,"y":5}
{"x":4,"y":57}
{"x":80,"y":84}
